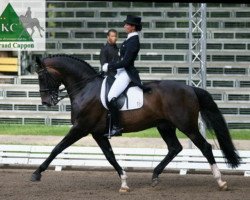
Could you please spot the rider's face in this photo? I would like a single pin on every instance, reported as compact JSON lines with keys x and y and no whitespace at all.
{"x":129,"y":28}
{"x":112,"y":38}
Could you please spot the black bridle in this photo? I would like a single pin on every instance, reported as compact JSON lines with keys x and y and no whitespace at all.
{"x":52,"y":85}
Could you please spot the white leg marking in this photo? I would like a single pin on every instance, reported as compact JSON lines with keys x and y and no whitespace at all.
{"x":217,"y":176}
{"x":124,"y":186}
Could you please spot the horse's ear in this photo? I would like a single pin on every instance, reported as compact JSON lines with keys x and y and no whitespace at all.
{"x":38,"y":61}
{"x":28,"y":68}
{"x":39,"y":64}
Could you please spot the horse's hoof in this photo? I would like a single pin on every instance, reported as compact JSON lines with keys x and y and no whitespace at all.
{"x":124,"y":189}
{"x":36,"y":177}
{"x":223,"y":186}
{"x":155,"y":182}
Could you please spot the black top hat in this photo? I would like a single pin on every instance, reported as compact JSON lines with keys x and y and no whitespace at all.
{"x":134,"y":20}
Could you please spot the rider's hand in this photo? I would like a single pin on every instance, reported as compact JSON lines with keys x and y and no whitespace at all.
{"x":105,"y":67}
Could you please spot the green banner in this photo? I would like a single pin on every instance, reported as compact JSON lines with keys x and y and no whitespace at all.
{"x":12,"y":29}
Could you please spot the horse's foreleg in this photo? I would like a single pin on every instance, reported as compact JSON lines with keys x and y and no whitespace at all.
{"x":73,"y":135}
{"x":32,"y":29}
{"x":104,"y":144}
{"x":174,"y":147}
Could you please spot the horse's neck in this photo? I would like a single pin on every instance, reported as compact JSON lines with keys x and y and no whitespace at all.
{"x":70,"y":72}
{"x":74,"y":79}
{"x":83,"y":89}
{"x":77,"y":83}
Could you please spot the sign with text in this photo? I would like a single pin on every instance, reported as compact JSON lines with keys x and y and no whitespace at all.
{"x":22,"y":25}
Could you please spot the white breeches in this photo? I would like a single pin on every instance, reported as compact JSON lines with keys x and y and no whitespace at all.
{"x":121,"y":82}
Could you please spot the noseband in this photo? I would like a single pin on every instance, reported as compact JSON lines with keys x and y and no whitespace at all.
{"x":51,"y":85}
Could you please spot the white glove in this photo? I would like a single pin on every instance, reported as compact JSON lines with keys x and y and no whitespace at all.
{"x":105,"y":67}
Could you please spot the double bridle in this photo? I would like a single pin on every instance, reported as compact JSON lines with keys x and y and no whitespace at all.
{"x":52,"y":85}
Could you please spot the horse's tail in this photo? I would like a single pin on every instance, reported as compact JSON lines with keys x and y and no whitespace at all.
{"x":215,"y":121}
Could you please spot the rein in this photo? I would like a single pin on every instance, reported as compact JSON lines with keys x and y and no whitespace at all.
{"x":74,"y":90}
{"x":52,"y":86}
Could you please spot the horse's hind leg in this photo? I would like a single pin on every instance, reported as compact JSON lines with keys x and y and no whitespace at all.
{"x":73,"y":135}
{"x":206,"y":150}
{"x":38,"y":28}
{"x":174,"y":147}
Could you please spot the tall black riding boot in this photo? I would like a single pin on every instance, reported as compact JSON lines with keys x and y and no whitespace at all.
{"x":115,"y":117}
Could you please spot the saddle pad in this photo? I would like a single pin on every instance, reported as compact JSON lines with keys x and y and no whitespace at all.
{"x":134,"y":94}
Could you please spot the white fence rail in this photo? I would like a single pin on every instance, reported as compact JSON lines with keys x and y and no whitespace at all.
{"x":146,"y":158}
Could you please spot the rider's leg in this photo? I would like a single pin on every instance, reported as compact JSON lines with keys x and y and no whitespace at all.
{"x":120,"y":84}
{"x":115,"y":118}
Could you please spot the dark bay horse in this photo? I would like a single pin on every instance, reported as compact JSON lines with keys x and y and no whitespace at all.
{"x":170,"y":105}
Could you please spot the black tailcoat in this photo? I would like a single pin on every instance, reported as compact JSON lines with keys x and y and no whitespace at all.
{"x":128,"y":53}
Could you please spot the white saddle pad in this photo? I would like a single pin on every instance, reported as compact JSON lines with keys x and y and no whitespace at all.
{"x":134,"y":94}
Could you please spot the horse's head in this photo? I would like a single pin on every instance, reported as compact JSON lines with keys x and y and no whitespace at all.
{"x":49,"y":83}
{"x":54,"y":70}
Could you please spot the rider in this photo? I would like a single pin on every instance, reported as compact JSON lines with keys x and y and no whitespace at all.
{"x":126,"y":71}
{"x":28,"y":14}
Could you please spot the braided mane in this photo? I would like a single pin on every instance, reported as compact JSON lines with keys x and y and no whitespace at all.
{"x":74,"y":58}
